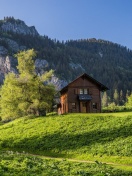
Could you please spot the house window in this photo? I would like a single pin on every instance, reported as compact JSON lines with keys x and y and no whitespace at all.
{"x":85,"y":91}
{"x":94,"y":105}
{"x":73,"y":105}
{"x":81,"y":91}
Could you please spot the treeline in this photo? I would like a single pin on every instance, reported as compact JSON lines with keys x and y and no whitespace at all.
{"x":118,"y":98}
{"x":119,"y":102}
{"x":10,"y":19}
{"x":107,"y":62}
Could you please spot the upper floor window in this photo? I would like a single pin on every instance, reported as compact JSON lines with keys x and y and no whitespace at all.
{"x":83,"y":91}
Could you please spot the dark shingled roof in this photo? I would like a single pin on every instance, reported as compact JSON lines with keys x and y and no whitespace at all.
{"x":84,"y":75}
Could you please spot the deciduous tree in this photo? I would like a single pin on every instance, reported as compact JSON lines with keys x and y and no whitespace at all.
{"x":26,"y":93}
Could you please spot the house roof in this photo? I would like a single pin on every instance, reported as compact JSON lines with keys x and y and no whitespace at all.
{"x":84,"y":75}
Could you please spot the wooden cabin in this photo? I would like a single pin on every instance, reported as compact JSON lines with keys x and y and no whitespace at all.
{"x":83,"y":95}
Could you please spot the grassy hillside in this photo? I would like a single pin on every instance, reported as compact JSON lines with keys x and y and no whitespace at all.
{"x":102,"y":137}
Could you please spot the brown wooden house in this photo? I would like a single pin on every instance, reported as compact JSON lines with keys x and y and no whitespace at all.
{"x":81,"y":95}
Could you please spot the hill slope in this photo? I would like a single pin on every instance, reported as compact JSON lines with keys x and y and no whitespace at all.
{"x":107,"y":62}
{"x":103,"y":137}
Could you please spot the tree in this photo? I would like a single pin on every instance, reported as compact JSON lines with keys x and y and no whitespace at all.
{"x":127,"y":94}
{"x":116,"y":97}
{"x":26,"y":93}
{"x":10,"y":96}
{"x":105,"y":100}
{"x":121,"y":98}
{"x":129,"y":102}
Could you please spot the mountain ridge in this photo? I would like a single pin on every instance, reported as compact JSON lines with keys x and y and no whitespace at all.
{"x":108,"y":62}
{"x":9,"y":24}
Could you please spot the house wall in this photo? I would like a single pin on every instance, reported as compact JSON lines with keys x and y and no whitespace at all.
{"x":73,"y":98}
{"x":64,"y":103}
{"x":74,"y":90}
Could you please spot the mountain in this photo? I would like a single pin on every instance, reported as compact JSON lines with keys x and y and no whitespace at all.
{"x":108,"y":62}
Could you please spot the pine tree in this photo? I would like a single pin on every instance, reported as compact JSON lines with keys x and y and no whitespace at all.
{"x":129,"y":102}
{"x":105,"y":100}
{"x":116,"y":97}
{"x":26,"y":93}
{"x":127,"y":95}
{"x":121,"y":101}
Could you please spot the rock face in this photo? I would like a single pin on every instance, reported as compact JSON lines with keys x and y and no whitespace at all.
{"x":41,"y":65}
{"x":6,"y":66}
{"x":59,"y":84}
{"x":12,"y":44}
{"x":18,"y":26}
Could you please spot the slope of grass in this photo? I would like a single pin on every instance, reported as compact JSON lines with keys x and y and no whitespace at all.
{"x":102,"y":137}
{"x":22,"y":164}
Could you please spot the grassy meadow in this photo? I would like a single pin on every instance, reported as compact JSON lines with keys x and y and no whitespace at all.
{"x":105,"y":138}
{"x":24,"y":165}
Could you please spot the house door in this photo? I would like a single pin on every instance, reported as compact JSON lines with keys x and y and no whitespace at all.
{"x":83,"y":107}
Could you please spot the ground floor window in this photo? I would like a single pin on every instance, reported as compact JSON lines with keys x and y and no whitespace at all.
{"x":94,"y":105}
{"x":73,"y":105}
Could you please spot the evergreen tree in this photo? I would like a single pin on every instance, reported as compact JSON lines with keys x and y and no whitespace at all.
{"x":26,"y":93}
{"x":127,"y":95}
{"x":116,"y":97}
{"x":129,"y":102}
{"x":121,"y":101}
{"x":105,"y":100}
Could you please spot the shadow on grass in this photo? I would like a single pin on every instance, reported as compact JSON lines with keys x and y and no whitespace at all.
{"x":59,"y":142}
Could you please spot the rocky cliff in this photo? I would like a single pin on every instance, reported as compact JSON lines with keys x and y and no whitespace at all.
{"x":6,"y":66}
{"x":17,"y":26}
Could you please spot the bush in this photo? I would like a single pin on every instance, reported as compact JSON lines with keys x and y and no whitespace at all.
{"x":113,"y":108}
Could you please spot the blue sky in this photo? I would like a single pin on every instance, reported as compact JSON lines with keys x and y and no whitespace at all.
{"x":75,"y":19}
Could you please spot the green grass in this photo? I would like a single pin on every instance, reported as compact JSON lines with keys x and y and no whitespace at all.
{"x":103,"y":137}
{"x":16,"y":164}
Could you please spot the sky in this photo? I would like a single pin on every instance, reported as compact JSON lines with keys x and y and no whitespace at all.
{"x":109,"y":20}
